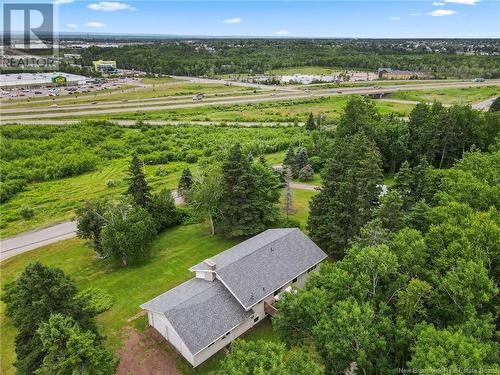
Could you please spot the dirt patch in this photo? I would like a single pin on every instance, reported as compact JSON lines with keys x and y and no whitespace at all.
{"x":144,"y":353}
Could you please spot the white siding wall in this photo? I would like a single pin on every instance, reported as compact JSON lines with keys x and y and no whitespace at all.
{"x":163,"y":326}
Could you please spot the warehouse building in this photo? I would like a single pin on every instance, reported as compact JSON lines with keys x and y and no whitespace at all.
{"x":52,"y":79}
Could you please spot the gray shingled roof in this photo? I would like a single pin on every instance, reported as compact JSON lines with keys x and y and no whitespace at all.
{"x":258,"y":266}
{"x":200,"y":311}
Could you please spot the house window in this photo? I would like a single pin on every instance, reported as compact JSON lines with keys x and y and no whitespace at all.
{"x":277,"y":291}
{"x":210,"y":344}
{"x":256,"y":320}
{"x":294,"y":280}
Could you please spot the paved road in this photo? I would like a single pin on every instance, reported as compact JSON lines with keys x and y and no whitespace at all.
{"x":24,"y":242}
{"x":37,"y":238}
{"x":257,"y":98}
{"x":484,"y":105}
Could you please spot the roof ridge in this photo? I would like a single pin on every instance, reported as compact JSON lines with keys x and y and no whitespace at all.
{"x":269,"y":243}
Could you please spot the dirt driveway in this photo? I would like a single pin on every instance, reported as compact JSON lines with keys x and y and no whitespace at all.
{"x":143,"y":353}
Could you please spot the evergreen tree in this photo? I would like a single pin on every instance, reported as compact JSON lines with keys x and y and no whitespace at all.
{"x":310,"y":124}
{"x":30,"y":300}
{"x":138,"y":188}
{"x":495,"y":106}
{"x":306,"y":173}
{"x":301,"y":160}
{"x":351,"y":183}
{"x":185,"y":182}
{"x":289,"y":161}
{"x":71,"y":350}
{"x":249,"y":195}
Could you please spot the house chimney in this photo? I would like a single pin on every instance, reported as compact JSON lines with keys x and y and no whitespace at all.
{"x":210,"y":263}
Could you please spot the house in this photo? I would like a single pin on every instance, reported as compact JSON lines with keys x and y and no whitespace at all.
{"x":388,"y":73}
{"x":232,"y":292}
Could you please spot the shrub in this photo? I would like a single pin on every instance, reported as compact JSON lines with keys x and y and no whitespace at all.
{"x":98,"y":300}
{"x":290,"y":223}
{"x":191,"y":158}
{"x":26,"y":212}
{"x":316,"y":163}
{"x":161,"y":171}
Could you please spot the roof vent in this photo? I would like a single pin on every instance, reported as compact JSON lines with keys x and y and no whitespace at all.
{"x":272,"y":249}
{"x":210,"y":263}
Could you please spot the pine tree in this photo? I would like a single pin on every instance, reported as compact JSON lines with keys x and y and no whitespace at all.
{"x":301,"y":160}
{"x":249,"y":196}
{"x":185,"y":182}
{"x":289,"y":160}
{"x":138,"y":187}
{"x":351,"y":183}
{"x":310,"y":124}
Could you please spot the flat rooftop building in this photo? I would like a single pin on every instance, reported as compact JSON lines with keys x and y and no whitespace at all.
{"x":44,"y":79}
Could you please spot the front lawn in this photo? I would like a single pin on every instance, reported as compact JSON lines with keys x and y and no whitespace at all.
{"x":174,"y":251}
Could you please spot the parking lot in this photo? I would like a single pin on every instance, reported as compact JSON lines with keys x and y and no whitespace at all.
{"x":38,"y":92}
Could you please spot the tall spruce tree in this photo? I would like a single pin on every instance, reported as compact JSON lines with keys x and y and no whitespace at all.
{"x":351,"y":184}
{"x":310,"y":124}
{"x":185,"y":182}
{"x":30,"y":300}
{"x":250,"y":194}
{"x":289,"y":160}
{"x":138,"y":188}
{"x":301,"y":160}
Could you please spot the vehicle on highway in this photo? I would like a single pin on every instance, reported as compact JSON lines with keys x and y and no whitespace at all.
{"x":478,"y":80}
{"x":198,"y":96}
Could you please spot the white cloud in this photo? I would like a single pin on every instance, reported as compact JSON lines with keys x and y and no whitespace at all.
{"x":233,"y":21}
{"x":71,"y":26}
{"x":59,"y":2}
{"x":441,"y":12}
{"x":282,"y":32}
{"x":415,"y":14}
{"x":466,"y":2}
{"x":437,"y":4}
{"x":110,"y":6}
{"x":394,"y":18}
{"x":94,"y":24}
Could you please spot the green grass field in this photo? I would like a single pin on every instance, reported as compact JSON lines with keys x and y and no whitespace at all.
{"x":468,"y":95}
{"x":174,"y":251}
{"x":56,"y":200}
{"x":278,"y":111}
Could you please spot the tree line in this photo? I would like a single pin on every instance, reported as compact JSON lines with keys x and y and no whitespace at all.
{"x":413,"y":281}
{"x":253,"y":56}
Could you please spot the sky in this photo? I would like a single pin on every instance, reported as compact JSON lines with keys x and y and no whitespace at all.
{"x":360,"y":19}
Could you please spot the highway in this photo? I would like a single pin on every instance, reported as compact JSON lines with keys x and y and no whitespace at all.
{"x":73,"y":111}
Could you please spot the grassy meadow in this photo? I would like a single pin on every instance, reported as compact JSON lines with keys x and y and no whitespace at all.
{"x":275,"y":111}
{"x":464,"y":95}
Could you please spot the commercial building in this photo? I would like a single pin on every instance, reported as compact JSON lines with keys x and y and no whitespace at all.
{"x":388,"y":73}
{"x":104,"y":66}
{"x":27,"y":80}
